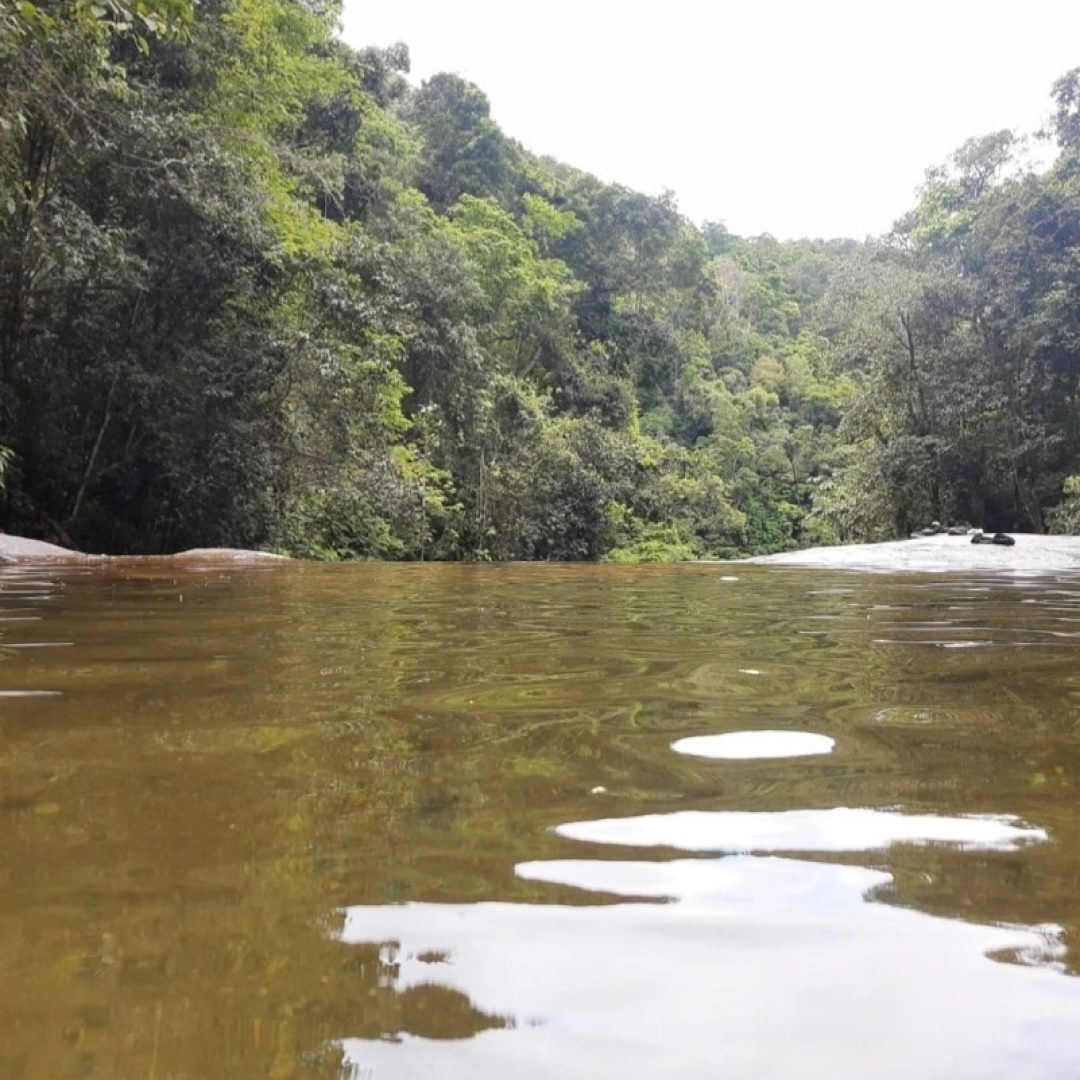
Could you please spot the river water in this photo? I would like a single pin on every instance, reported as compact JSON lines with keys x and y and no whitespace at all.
{"x":529,"y":821}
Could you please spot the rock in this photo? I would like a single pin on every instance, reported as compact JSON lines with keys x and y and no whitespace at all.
{"x":932,"y":530}
{"x":19,"y":549}
{"x":224,"y":555}
{"x":1001,"y":539}
{"x":1034,"y":554}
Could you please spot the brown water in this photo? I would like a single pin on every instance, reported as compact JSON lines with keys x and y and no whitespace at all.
{"x":418,"y":821}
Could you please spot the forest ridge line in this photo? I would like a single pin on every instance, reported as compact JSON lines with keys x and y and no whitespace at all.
{"x":256,"y":290}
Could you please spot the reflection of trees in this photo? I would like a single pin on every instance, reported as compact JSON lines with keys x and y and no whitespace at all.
{"x":429,"y":1010}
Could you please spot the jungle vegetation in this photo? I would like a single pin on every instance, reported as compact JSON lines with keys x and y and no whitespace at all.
{"x":258,"y":289}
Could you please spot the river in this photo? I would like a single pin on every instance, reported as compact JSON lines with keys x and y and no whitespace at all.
{"x":388,"y":821}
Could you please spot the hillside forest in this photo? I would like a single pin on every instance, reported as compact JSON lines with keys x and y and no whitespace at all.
{"x":258,"y":289}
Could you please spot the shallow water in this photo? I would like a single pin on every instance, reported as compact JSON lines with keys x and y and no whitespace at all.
{"x":401,"y":821}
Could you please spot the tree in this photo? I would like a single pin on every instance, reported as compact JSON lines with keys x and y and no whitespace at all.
{"x":463,"y":152}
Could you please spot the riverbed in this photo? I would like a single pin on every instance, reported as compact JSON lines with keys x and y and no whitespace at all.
{"x":303,"y":821}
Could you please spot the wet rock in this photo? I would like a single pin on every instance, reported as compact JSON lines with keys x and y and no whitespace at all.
{"x":225,"y":555}
{"x":20,"y":549}
{"x":933,"y":529}
{"x":1001,"y":539}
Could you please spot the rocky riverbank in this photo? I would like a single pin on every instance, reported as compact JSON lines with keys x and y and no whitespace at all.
{"x":1031,"y":553}
{"x":19,"y":549}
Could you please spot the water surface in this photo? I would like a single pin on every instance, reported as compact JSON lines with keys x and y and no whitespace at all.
{"x":397,"y":821}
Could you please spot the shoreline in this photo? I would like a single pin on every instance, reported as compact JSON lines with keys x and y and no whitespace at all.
{"x":1032,"y":554}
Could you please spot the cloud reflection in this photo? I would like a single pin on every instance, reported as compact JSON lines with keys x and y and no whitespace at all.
{"x":745,"y":745}
{"x":761,"y":967}
{"x":839,"y":829}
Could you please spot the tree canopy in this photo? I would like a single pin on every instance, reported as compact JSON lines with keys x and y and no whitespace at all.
{"x":256,"y":288}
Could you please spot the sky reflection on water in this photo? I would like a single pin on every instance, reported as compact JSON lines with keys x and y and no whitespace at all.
{"x":748,"y":745}
{"x":761,"y":967}
{"x":838,"y":829}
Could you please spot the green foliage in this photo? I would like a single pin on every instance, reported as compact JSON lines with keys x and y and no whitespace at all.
{"x":1065,"y":517}
{"x":256,"y":289}
{"x":23,"y":22}
{"x":462,"y":150}
{"x":656,"y":544}
{"x":961,"y":329}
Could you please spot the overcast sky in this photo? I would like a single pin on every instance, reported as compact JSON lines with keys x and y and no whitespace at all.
{"x":795,"y":117}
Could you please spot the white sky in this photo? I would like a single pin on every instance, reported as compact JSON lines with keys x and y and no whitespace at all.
{"x":796,"y":118}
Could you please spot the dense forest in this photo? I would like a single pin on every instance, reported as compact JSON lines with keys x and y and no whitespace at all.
{"x":257,"y":289}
